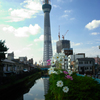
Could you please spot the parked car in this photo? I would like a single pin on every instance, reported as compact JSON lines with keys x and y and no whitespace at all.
{"x":25,"y":70}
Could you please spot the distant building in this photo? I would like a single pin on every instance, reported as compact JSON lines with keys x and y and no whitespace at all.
{"x":97,"y":64}
{"x":67,"y":51}
{"x":62,"y":44}
{"x":86,"y":65}
{"x":81,"y":54}
{"x":23,"y":59}
{"x":35,"y":63}
{"x":8,"y":67}
{"x":97,"y":60}
{"x":10,"y":56}
{"x":72,"y":59}
{"x":75,"y":56}
{"x":31,"y":61}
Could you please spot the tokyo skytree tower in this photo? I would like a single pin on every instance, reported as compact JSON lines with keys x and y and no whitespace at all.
{"x":47,"y":53}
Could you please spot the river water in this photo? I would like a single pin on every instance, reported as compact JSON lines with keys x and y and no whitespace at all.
{"x":37,"y":91}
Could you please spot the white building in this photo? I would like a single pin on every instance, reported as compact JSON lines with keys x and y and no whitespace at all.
{"x":10,"y":56}
{"x":72,"y":58}
{"x":23,"y":59}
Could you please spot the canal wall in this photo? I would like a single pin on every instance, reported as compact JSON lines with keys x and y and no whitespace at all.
{"x":22,"y":86}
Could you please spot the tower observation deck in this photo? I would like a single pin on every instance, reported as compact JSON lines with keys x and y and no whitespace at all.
{"x":47,"y":53}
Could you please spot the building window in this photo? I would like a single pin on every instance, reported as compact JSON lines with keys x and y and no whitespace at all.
{"x":80,"y":62}
{"x":86,"y":62}
{"x":90,"y":62}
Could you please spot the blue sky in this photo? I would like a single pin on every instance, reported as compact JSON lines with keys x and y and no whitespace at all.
{"x":22,"y":26}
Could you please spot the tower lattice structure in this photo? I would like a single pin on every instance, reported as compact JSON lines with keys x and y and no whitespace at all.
{"x":47,"y":53}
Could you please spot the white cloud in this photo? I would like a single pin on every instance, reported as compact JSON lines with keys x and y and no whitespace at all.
{"x":23,"y":31}
{"x":41,"y":38}
{"x":22,"y":13}
{"x":89,"y":52}
{"x":10,"y":28}
{"x":64,"y":16}
{"x":92,"y":25}
{"x":59,"y":0}
{"x":10,"y":9}
{"x":72,"y":18}
{"x":26,"y":48}
{"x":34,"y":29}
{"x":95,"y":33}
{"x":33,"y":5}
{"x":30,"y":9}
{"x":63,"y":0}
{"x":68,"y":11}
{"x":94,"y":46}
{"x":75,"y":44}
{"x":41,"y":49}
{"x":21,"y":46}
{"x":89,"y":42}
{"x":56,"y":6}
{"x":30,"y":45}
{"x":98,"y":42}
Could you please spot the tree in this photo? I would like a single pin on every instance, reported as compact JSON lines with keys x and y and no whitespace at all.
{"x":3,"y":49}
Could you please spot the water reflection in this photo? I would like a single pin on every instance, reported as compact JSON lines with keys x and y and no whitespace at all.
{"x":46,"y":84}
{"x":36,"y":92}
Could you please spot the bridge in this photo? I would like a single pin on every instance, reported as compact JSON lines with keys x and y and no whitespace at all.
{"x":44,"y":69}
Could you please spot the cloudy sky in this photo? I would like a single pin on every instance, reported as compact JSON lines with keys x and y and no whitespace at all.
{"x":22,"y":26}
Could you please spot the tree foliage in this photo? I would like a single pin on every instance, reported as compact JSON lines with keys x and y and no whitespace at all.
{"x":3,"y":49}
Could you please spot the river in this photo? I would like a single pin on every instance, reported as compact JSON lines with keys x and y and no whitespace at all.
{"x":37,"y":91}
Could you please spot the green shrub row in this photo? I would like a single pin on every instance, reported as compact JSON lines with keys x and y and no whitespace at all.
{"x":80,"y":88}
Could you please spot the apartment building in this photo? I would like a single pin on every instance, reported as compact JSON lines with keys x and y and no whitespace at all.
{"x":86,"y":65}
{"x":72,"y":59}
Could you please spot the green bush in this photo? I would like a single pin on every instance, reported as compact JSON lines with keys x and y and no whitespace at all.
{"x":80,"y":88}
